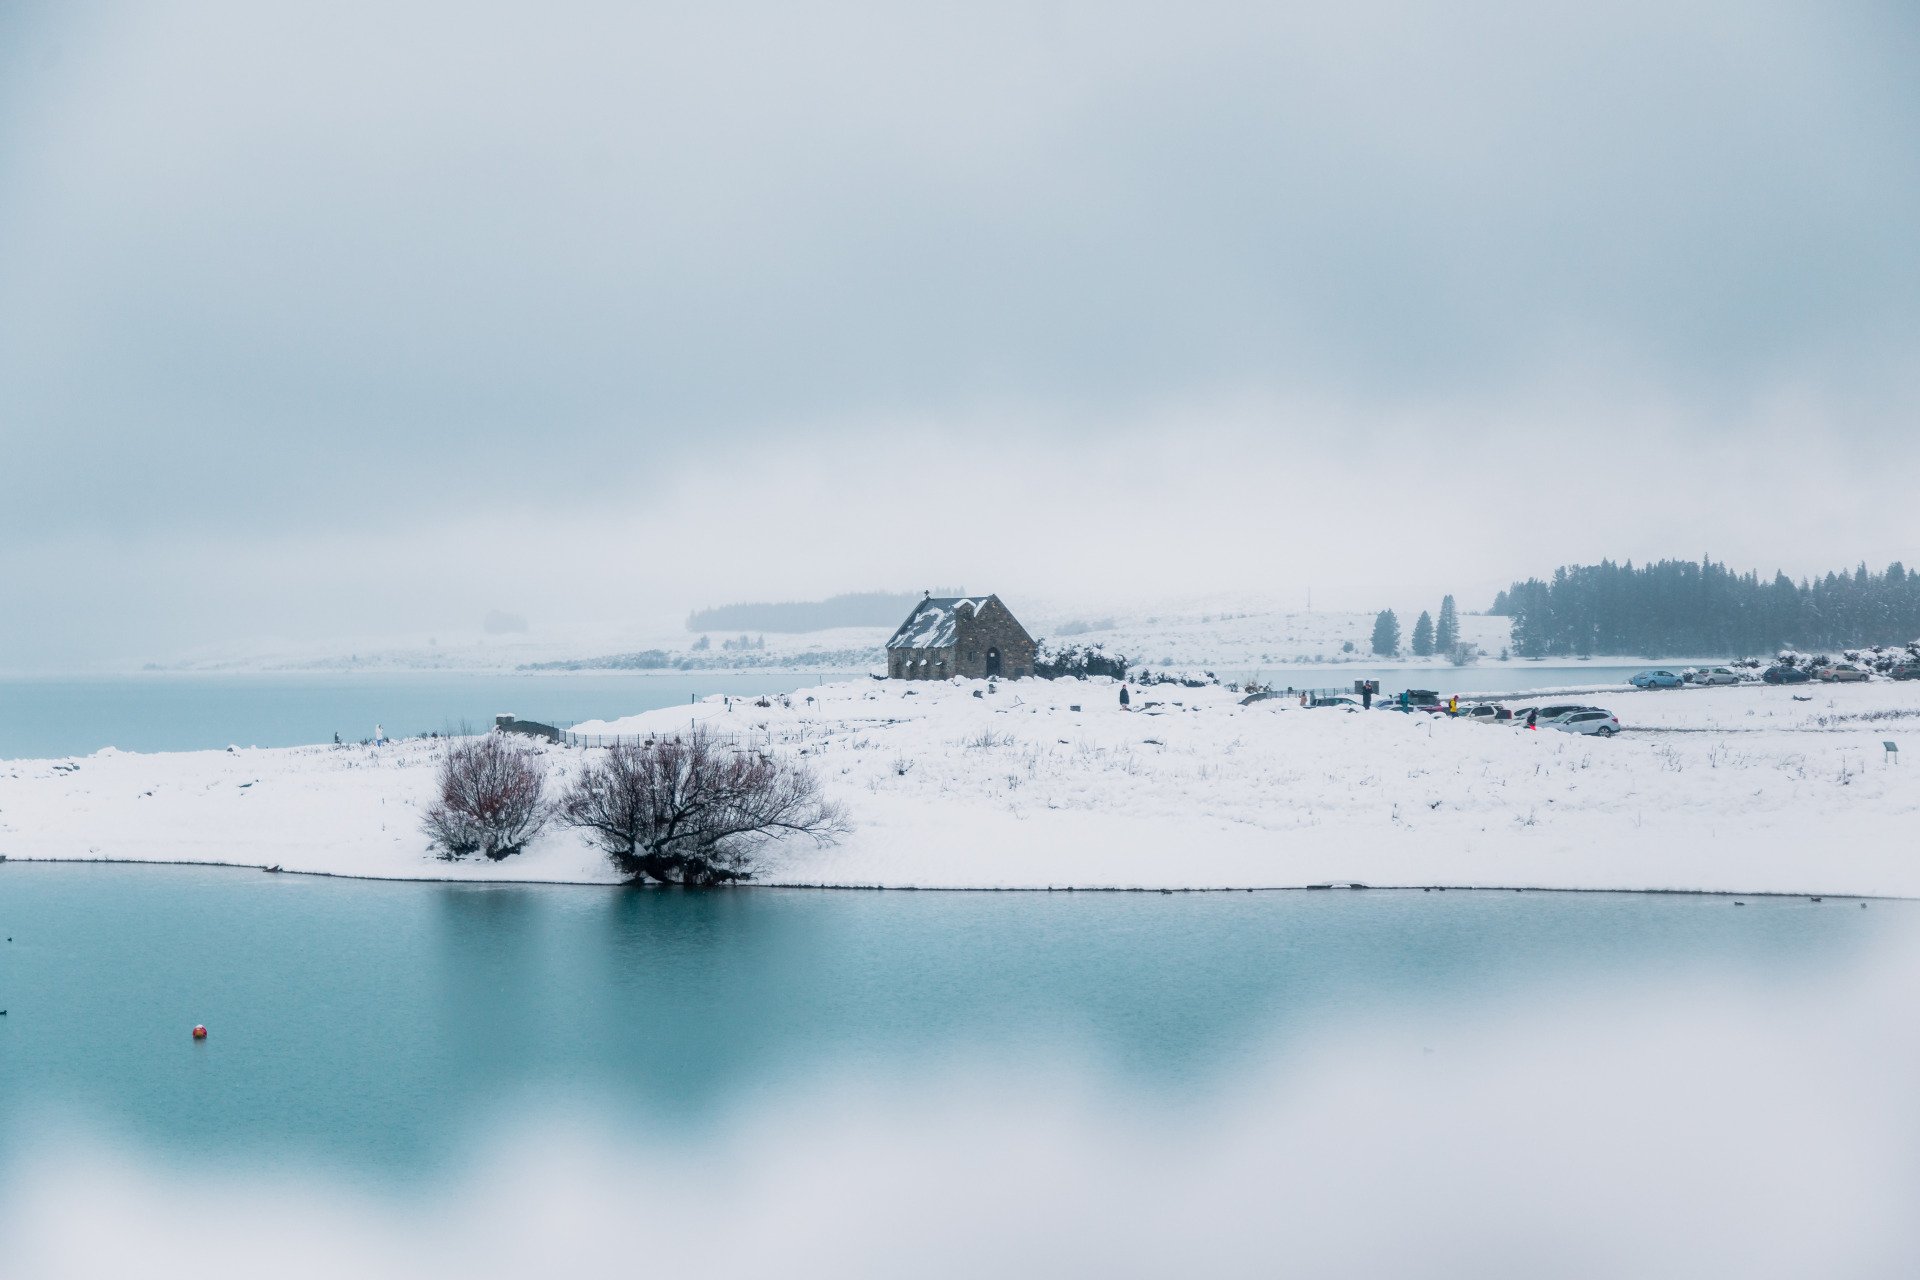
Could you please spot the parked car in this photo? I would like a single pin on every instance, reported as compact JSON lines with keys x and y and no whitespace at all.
{"x":1335,"y":701}
{"x":1484,"y":713}
{"x":1656,"y":680}
{"x":1544,"y":716}
{"x":1597,"y":722}
{"x":1713,"y":675}
{"x":1781,"y":673}
{"x":1906,"y":671}
{"x":1840,"y":675}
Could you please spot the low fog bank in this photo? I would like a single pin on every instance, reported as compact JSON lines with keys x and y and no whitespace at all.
{"x":1185,"y":502}
{"x":1713,"y":1127}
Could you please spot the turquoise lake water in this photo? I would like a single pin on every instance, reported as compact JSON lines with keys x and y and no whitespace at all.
{"x":372,"y":1028}
{"x":61,"y":716}
{"x":43,"y":717}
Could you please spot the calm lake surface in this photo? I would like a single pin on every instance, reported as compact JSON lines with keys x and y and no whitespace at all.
{"x":63,"y":716}
{"x":374,"y":1028}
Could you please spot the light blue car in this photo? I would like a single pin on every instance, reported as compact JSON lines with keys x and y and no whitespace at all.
{"x":1657,"y":680}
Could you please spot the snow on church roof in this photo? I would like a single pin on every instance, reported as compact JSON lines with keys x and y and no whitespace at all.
{"x":934,"y":623}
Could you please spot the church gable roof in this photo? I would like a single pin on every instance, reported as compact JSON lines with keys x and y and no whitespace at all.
{"x":935,"y":623}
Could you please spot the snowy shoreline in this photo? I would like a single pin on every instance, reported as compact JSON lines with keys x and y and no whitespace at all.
{"x":766,"y":886}
{"x":1743,"y":790}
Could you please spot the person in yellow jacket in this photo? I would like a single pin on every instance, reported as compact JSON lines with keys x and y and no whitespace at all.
{"x":1453,"y":705}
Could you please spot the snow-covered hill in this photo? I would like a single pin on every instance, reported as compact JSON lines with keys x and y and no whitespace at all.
{"x":1219,"y":633}
{"x":1039,"y":784}
{"x":1249,"y":637}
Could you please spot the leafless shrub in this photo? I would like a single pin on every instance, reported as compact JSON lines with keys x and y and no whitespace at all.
{"x":692,"y":811}
{"x":1889,"y":713}
{"x":987,"y":740}
{"x":492,"y":798}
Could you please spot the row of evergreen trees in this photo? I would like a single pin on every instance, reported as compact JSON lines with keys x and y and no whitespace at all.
{"x":1681,"y":608}
{"x":1429,"y":637}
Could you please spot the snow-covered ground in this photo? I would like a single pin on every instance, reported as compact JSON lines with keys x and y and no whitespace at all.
{"x":1250,"y":635}
{"x":1748,"y":789}
{"x":1226,"y":633}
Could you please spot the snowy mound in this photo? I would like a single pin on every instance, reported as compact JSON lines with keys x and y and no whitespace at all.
{"x":1052,"y":784}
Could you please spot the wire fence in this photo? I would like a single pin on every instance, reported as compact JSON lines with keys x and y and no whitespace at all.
{"x":800,"y":737}
{"x":1341,"y":691}
{"x":761,"y":742}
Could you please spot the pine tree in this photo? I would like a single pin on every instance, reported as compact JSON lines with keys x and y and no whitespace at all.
{"x":1694,"y":607}
{"x":1423,"y":636}
{"x":1386,"y":634}
{"x":1446,"y":632}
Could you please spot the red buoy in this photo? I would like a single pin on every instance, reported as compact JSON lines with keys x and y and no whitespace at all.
{"x":199,"y":1033}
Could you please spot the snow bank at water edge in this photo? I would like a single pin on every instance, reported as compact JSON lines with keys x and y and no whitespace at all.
{"x":952,"y":785}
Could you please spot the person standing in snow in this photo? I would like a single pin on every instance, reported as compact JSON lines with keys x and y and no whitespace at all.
{"x":1453,"y":705}
{"x":1126,"y":700}
{"x":1366,"y":695}
{"x":1533,"y":717}
{"x":379,"y":736}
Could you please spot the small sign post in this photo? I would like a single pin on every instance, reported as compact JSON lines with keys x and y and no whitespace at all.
{"x":1893,"y":752}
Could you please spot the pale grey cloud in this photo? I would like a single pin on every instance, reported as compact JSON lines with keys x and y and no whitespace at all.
{"x":270,"y":273}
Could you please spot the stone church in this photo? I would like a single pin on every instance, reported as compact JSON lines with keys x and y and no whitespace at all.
{"x":973,"y":636}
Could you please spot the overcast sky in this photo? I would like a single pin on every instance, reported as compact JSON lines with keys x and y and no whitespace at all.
{"x":361,"y":319}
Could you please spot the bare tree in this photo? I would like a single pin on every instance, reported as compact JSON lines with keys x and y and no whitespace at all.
{"x":492,"y":798}
{"x":693,"y":811}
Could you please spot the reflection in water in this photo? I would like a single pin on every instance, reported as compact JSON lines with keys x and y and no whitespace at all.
{"x":408,"y":1080}
{"x":1715,"y":1128}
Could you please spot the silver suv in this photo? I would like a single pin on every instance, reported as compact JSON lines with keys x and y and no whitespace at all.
{"x":1597,"y":722}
